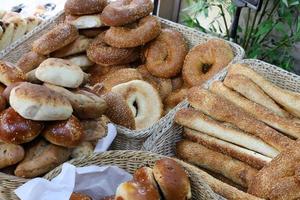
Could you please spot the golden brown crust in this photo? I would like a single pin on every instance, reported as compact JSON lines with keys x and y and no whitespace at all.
{"x":123,"y":12}
{"x":67,"y":133}
{"x":165,"y":55}
{"x":60,"y":36}
{"x":10,"y":154}
{"x":145,"y":175}
{"x":231,"y":168}
{"x":223,"y":110}
{"x":10,"y":74}
{"x":121,"y":76}
{"x":164,"y":86}
{"x":250,"y":157}
{"x":270,"y":180}
{"x":146,"y":30}
{"x":172,"y":179}
{"x":84,"y":7}
{"x":79,"y":196}
{"x":103,"y":54}
{"x":41,"y":157}
{"x":214,"y":55}
{"x":259,"y":112}
{"x":175,"y":98}
{"x":29,"y":61}
{"x":119,"y":112}
{"x":17,"y":130}
{"x":250,"y":90}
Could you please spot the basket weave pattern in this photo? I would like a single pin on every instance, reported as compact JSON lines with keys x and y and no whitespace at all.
{"x":127,"y":160}
{"x":165,"y":143}
{"x":126,"y":139}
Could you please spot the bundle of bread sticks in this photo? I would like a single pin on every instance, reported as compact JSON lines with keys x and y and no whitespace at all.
{"x":244,"y":131}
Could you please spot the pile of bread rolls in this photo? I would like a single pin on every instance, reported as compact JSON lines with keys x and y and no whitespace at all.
{"x":239,"y":129}
{"x":167,"y":180}
{"x":13,"y":26}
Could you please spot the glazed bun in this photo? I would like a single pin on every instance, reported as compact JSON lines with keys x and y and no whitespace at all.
{"x":84,"y":7}
{"x":39,"y":103}
{"x":67,"y":133}
{"x":17,"y":130}
{"x":60,"y":72}
{"x":133,"y":190}
{"x":144,"y":175}
{"x":10,"y":74}
{"x":172,"y":180}
{"x":79,"y":196}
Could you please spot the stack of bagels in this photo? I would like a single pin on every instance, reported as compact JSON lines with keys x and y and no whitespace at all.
{"x":166,"y":176}
{"x":243,"y":131}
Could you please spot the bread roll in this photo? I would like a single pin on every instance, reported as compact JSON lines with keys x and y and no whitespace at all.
{"x":196,"y":120}
{"x":7,"y":35}
{"x":29,"y":61}
{"x":223,"y":110}
{"x":84,"y":7}
{"x":288,"y":99}
{"x":60,"y":72}
{"x":40,"y":158}
{"x":172,"y":180}
{"x":231,"y":168}
{"x":10,"y":74}
{"x":32,"y":22}
{"x":81,"y":60}
{"x":39,"y":103}
{"x":86,"y":105}
{"x":17,"y":130}
{"x":93,"y":129}
{"x":84,"y":149}
{"x":252,"y":158}
{"x":7,"y":90}
{"x":10,"y":154}
{"x":78,"y":46}
{"x":60,"y":36}
{"x":145,"y":175}
{"x":132,"y":190}
{"x":67,"y":133}
{"x":85,"y":21}
{"x":19,"y":28}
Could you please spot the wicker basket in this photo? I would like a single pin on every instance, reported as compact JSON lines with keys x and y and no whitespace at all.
{"x":165,"y":143}
{"x":126,"y":138}
{"x":127,"y":160}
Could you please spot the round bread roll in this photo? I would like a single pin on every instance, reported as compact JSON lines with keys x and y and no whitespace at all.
{"x":143,"y":100}
{"x":84,"y":149}
{"x":10,"y":74}
{"x":67,"y":133}
{"x":60,"y":36}
{"x":10,"y":154}
{"x":17,"y":130}
{"x":144,"y":175}
{"x":7,"y":90}
{"x":84,"y":7}
{"x":39,"y":103}
{"x":132,"y":190}
{"x":60,"y":72}
{"x":172,"y":180}
{"x":79,"y":196}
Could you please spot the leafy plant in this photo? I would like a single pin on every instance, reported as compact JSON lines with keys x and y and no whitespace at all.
{"x":269,"y":34}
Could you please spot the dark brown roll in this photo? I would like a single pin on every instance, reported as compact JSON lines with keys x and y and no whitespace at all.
{"x":60,"y":36}
{"x":172,"y":180}
{"x":103,"y":54}
{"x":84,"y":7}
{"x":144,"y":31}
{"x":16,"y":129}
{"x":29,"y":61}
{"x":123,"y":12}
{"x":67,"y":133}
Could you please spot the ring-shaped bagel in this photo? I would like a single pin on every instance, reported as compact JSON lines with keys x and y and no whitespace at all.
{"x":146,"y":30}
{"x":122,"y":12}
{"x":103,"y":54}
{"x":205,"y":60}
{"x":165,"y":56}
{"x":143,"y":100}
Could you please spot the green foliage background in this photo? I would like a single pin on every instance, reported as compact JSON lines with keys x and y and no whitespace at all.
{"x":268,"y":35}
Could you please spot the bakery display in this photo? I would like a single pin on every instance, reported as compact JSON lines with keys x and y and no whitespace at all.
{"x":236,"y":129}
